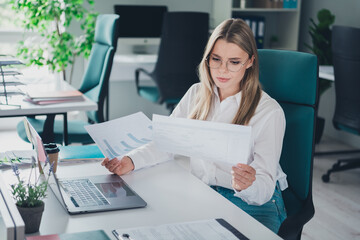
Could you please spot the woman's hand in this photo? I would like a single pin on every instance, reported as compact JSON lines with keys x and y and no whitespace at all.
{"x":242,"y":176}
{"x":118,"y":166}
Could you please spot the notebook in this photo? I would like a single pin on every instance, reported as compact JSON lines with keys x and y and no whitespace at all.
{"x":86,"y":194}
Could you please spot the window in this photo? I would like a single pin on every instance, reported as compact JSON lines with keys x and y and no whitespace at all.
{"x":10,"y":31}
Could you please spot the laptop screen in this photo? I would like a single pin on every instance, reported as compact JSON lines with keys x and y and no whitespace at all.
{"x":36,"y":141}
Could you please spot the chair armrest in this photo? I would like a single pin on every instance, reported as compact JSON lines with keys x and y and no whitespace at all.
{"x":137,"y":74}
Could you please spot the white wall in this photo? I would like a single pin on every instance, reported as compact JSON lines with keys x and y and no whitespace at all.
{"x":347,"y":12}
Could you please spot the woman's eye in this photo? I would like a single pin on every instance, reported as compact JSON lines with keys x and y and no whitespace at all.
{"x":215,"y":59}
{"x":234,"y":62}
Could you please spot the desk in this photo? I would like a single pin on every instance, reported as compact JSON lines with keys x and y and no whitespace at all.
{"x":173,"y":195}
{"x":326,"y":72}
{"x":124,"y":66}
{"x":28,"y":109}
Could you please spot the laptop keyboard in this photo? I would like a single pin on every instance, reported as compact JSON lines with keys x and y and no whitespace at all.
{"x":83,"y":193}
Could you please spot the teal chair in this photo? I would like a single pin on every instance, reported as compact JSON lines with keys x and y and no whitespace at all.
{"x":95,"y":86}
{"x":291,"y":78}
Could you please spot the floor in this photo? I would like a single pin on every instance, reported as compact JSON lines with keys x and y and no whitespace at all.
{"x":337,"y":203}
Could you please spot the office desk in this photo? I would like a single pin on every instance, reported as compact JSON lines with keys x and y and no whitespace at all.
{"x":326,"y":72}
{"x":29,"y":109}
{"x":172,"y":193}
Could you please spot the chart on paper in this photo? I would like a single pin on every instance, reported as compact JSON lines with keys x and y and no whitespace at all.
{"x":124,"y":146}
{"x":120,"y":136}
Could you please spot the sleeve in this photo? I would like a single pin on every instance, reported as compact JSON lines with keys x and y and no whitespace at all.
{"x":148,"y":154}
{"x":266,"y":155}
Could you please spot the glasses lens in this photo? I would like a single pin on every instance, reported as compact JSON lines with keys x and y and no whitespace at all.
{"x":234,"y":66}
{"x":214,"y":62}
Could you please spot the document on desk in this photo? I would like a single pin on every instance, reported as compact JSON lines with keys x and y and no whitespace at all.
{"x":119,"y":136}
{"x":202,"y":139}
{"x":213,"y":229}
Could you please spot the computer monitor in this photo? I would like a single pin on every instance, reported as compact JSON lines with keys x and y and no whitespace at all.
{"x":12,"y":226}
{"x":140,"y":24}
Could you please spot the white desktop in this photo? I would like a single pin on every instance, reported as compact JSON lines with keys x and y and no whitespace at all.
{"x":12,"y":226}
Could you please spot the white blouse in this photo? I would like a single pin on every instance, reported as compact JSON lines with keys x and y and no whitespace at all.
{"x":268,"y":127}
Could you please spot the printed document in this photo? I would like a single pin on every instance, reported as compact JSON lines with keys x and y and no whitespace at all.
{"x":202,"y":139}
{"x":214,"y":229}
{"x":119,"y":136}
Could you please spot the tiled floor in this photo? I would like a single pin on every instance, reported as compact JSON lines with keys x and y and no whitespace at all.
{"x":337,"y":203}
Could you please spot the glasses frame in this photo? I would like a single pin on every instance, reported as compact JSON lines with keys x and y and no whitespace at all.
{"x":226,"y":64}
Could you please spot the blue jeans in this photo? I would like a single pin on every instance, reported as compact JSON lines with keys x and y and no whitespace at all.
{"x":271,"y":214}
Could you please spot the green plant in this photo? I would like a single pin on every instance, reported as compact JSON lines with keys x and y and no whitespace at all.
{"x":30,"y":193}
{"x":58,"y":47}
{"x":321,"y":39}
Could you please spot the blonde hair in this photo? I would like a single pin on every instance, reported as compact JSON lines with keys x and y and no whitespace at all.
{"x":238,"y":32}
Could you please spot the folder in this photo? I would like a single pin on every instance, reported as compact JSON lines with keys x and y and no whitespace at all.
{"x":51,"y":97}
{"x":90,"y":235}
{"x":82,"y":152}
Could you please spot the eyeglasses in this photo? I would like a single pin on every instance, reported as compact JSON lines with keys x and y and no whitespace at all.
{"x":231,"y":65}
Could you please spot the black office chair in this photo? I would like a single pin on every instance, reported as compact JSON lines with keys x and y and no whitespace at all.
{"x":291,"y":78}
{"x":183,"y":40}
{"x":95,"y":85}
{"x":346,"y":59}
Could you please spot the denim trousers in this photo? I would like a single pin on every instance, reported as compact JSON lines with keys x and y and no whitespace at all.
{"x":271,"y":214}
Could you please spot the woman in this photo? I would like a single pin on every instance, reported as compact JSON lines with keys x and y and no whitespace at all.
{"x":229,"y":91}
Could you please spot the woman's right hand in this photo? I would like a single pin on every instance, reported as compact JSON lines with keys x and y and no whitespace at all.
{"x":119,"y":166}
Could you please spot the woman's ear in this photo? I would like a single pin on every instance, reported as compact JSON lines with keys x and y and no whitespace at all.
{"x":250,"y":62}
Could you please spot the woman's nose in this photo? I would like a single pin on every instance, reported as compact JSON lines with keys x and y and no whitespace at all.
{"x":223,"y":67}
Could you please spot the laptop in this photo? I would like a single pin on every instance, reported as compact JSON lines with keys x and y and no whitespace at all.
{"x":85,"y":194}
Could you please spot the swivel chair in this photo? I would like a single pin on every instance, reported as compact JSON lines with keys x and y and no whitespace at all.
{"x":346,"y":59}
{"x":95,"y":86}
{"x":291,"y":78}
{"x":183,"y":40}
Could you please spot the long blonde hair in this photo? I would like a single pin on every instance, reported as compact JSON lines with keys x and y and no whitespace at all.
{"x":238,"y":32}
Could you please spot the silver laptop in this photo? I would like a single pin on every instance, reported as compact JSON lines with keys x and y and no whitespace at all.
{"x":86,"y":194}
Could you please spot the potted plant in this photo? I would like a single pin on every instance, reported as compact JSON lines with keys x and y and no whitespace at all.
{"x":57,"y":47}
{"x":321,"y":46}
{"x":29,"y":196}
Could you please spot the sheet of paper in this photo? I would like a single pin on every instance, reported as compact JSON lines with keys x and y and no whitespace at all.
{"x":202,"y":139}
{"x":198,"y":230}
{"x":119,"y":136}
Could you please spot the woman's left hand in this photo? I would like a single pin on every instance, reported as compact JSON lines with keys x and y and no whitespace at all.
{"x":242,"y":176}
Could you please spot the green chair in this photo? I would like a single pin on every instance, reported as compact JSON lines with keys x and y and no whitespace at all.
{"x":95,"y":86}
{"x":291,"y":78}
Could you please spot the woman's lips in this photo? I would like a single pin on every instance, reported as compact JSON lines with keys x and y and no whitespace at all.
{"x":221,"y":79}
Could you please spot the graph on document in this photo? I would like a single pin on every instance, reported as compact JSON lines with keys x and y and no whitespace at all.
{"x":129,"y":143}
{"x":119,"y":136}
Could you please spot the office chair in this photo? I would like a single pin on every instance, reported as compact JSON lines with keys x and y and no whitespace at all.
{"x":95,"y":86}
{"x":183,"y":40}
{"x":291,"y":78}
{"x":346,"y":59}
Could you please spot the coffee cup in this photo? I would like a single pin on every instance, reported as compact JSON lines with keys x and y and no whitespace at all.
{"x":52,"y":151}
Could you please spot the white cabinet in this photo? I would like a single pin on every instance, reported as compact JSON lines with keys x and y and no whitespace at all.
{"x":280,"y":23}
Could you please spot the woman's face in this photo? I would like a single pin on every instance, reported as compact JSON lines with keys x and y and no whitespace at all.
{"x":228,"y":63}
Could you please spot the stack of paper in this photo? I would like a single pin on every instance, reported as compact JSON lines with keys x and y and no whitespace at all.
{"x":51,"y":97}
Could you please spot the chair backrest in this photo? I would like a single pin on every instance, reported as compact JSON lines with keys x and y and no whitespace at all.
{"x":183,"y":40}
{"x":346,"y":59}
{"x":95,"y":83}
{"x":291,"y":78}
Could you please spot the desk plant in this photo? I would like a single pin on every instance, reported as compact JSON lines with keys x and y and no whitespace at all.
{"x":29,"y":194}
{"x":58,"y":47}
{"x":321,"y":39}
